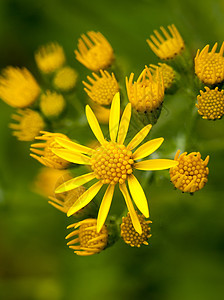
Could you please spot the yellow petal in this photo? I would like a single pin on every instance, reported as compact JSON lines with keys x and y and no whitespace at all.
{"x":105,"y":206}
{"x":156,"y":164}
{"x":73,"y":146}
{"x":148,"y":148}
{"x":74,"y":157}
{"x":85,"y":198}
{"x":133,"y":215}
{"x":94,"y":125}
{"x":114,"y":117}
{"x":139,"y":137}
{"x":138,"y":195}
{"x":74,"y":183}
{"x":124,"y":124}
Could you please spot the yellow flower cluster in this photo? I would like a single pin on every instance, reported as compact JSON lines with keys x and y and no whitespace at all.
{"x":168,"y":74}
{"x":52,"y":104}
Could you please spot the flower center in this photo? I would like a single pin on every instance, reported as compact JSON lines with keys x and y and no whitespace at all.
{"x":112,"y":163}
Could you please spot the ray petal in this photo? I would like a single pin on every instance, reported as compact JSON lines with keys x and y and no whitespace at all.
{"x":71,"y":156}
{"x":114,"y":117}
{"x":156,"y":164}
{"x":148,"y":148}
{"x":124,"y":124}
{"x":139,"y":137}
{"x":94,"y":125}
{"x":74,"y":146}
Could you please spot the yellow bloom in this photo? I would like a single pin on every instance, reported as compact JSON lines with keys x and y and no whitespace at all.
{"x":103,"y":88}
{"x":52,"y":104}
{"x":190,"y":175}
{"x":18,"y":88}
{"x":88,"y":240}
{"x":168,"y":47}
{"x":112,"y":162}
{"x":131,"y":236}
{"x":211,"y":103}
{"x":30,"y":123}
{"x":209,"y":66}
{"x":47,"y":157}
{"x":167,"y":72}
{"x":65,"y":79}
{"x":102,"y":113}
{"x":50,"y":57}
{"x":145,"y":94}
{"x":95,"y":52}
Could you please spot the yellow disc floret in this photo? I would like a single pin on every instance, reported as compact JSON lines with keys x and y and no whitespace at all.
{"x":211,"y":103}
{"x":50,"y":57}
{"x":169,"y":46}
{"x":167,"y":72}
{"x":209,"y":66}
{"x":191,"y":174}
{"x":52,"y":104}
{"x":95,"y":52}
{"x":103,"y":88}
{"x":65,"y":79}
{"x":88,"y":240}
{"x":112,"y":163}
{"x":30,"y":123}
{"x":132,"y":237}
{"x":18,"y":88}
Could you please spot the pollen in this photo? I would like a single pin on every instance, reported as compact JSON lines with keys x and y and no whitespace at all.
{"x":112,"y":163}
{"x":65,"y":79}
{"x":167,"y":46}
{"x":103,"y":88}
{"x":52,"y":104}
{"x":191,"y":174}
{"x":132,"y":237}
{"x":30,"y":123}
{"x":147,"y":93}
{"x":211,"y":103}
{"x":87,"y":241}
{"x":167,"y":72}
{"x":50,"y":57}
{"x":209,"y":66}
{"x":94,"y":51}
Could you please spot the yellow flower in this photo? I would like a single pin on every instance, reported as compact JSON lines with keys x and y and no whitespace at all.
{"x":102,"y":113}
{"x":145,"y":94}
{"x":65,"y":79}
{"x":131,"y":236}
{"x":211,"y":103}
{"x":95,"y":52}
{"x":209,"y":66}
{"x":111,"y":163}
{"x":18,"y":88}
{"x":103,"y":88}
{"x":30,"y":123}
{"x":190,"y":175}
{"x":50,"y":57}
{"x":168,"y":47}
{"x":52,"y":104}
{"x":47,"y":157}
{"x":88,"y":240}
{"x":167,"y":72}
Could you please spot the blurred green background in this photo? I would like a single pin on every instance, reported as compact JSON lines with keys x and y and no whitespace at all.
{"x":185,"y":258}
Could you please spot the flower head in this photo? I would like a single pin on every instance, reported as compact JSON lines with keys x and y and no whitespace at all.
{"x":130,"y":235}
{"x":209,"y":66}
{"x":190,"y":175}
{"x":167,"y":72}
{"x":95,"y":52}
{"x":168,"y":47}
{"x":211,"y":103}
{"x":18,"y":88}
{"x":47,"y":157}
{"x":50,"y":57}
{"x":88,"y":240}
{"x":112,"y":163}
{"x":30,"y":123}
{"x":65,"y":79}
{"x":145,"y":94}
{"x":102,"y":113}
{"x":103,"y":88}
{"x":52,"y":104}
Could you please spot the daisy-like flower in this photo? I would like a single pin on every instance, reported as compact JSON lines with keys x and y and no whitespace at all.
{"x":46,"y":156}
{"x":94,"y":51}
{"x":168,"y":74}
{"x":50,"y":57}
{"x":112,"y":163}
{"x":211,"y":103}
{"x":130,"y":235}
{"x":88,"y":241}
{"x":18,"y":87}
{"x":209,"y":66}
{"x":146,"y":94}
{"x":103,"y":88}
{"x":169,"y":46}
{"x":65,"y":79}
{"x":52,"y":104}
{"x":191,"y":174}
{"x":30,"y":123}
